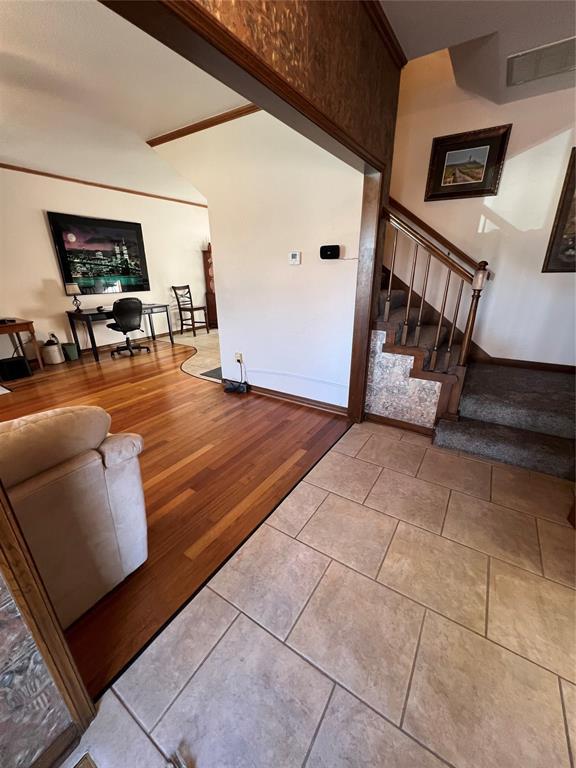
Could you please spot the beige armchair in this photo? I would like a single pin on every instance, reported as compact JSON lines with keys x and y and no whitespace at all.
{"x":77,"y":493}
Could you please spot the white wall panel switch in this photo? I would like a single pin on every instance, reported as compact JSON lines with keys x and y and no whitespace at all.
{"x":295,"y":257}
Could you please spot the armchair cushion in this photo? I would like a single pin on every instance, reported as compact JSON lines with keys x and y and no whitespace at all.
{"x":33,"y":444}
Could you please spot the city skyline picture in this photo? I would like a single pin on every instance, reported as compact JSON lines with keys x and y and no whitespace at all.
{"x":100,"y":255}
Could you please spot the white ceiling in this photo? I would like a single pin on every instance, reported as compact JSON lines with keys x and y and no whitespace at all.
{"x":81,"y":90}
{"x":481,"y":34}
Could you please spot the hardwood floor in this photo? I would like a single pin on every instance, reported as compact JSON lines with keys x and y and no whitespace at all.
{"x":214,"y":466}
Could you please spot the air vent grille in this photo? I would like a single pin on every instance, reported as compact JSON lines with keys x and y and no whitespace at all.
{"x":541,"y":62}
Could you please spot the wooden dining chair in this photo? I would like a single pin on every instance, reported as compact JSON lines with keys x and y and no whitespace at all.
{"x":186,"y":310}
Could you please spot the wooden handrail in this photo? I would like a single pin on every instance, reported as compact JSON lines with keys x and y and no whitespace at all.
{"x":396,"y":207}
{"x":412,"y":233}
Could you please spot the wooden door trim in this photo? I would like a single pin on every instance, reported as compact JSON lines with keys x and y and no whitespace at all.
{"x":29,"y":593}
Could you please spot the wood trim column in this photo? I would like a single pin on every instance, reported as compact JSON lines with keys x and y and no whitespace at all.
{"x":369,"y":274}
{"x":25,"y":584}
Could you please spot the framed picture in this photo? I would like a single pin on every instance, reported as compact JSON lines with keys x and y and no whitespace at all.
{"x":561,"y":253}
{"x":467,"y":164}
{"x":100,"y":255}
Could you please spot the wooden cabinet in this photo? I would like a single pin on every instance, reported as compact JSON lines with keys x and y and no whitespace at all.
{"x":210,"y":288}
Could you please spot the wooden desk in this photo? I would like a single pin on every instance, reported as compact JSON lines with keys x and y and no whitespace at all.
{"x":90,"y":316}
{"x":18,"y":327}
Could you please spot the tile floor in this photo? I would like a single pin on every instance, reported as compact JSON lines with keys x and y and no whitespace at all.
{"x":404,"y":607}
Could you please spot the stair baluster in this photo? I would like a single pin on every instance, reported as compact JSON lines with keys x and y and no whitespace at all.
{"x":409,"y":300}
{"x":422,"y":300}
{"x":454,"y":321}
{"x":434,"y":355}
{"x":389,"y":292}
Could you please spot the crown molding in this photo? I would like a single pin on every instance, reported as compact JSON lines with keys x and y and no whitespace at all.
{"x":202,"y":125}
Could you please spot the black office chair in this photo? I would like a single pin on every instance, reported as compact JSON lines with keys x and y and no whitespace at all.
{"x":127,"y":317}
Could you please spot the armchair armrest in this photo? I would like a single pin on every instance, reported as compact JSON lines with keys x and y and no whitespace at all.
{"x":118,"y":448}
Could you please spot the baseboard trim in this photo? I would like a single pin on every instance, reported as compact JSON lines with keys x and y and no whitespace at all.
{"x":428,"y":431}
{"x":487,"y":359}
{"x":338,"y":410}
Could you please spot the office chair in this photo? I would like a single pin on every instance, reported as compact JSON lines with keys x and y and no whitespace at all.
{"x":127,"y":317}
{"x":186,"y":307}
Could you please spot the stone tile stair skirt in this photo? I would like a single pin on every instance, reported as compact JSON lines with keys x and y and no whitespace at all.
{"x":515,"y":416}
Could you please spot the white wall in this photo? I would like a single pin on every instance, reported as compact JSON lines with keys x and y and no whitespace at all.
{"x":524,"y":314}
{"x":30,"y":283}
{"x":271,"y":191}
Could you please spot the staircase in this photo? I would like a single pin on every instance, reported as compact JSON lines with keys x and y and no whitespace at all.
{"x":507,"y":414}
{"x":517,"y":416}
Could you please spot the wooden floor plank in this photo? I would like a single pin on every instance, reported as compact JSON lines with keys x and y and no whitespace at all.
{"x":214,"y":466}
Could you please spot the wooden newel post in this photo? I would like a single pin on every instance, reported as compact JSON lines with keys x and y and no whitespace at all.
{"x":478,"y":283}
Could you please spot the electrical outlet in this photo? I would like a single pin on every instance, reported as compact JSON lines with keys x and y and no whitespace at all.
{"x":238,"y":357}
{"x":295,"y":257}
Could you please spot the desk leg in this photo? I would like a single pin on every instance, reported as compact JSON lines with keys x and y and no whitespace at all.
{"x":36,"y":349}
{"x":19,"y":346}
{"x":169,"y":325}
{"x":151,"y":323}
{"x":92,"y":339}
{"x":72,"y":323}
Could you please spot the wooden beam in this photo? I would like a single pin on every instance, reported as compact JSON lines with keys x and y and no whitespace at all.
{"x":202,"y":125}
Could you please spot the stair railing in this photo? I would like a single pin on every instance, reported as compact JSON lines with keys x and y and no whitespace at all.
{"x":427,"y":240}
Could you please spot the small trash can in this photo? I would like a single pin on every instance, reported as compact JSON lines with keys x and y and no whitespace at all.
{"x":52,"y":351}
{"x":70,"y":350}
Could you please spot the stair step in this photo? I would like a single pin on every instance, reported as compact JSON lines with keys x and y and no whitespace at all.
{"x":528,"y":399}
{"x":543,"y":453}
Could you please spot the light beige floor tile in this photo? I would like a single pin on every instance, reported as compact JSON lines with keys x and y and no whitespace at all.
{"x":445,"y":576}
{"x":455,"y":472}
{"x":297,"y":508}
{"x":159,"y":674}
{"x":417,"y":439}
{"x":399,"y":455}
{"x":350,"y":532}
{"x":354,"y":736}
{"x":410,"y":499}
{"x":361,"y":634}
{"x":352,"y":441}
{"x":534,"y":617}
{"x":569,"y":696}
{"x":532,"y":492}
{"x":115,"y":739}
{"x":271,"y":578}
{"x":253,"y":703}
{"x":558,"y":545}
{"x":344,"y":475}
{"x":495,"y":530}
{"x":383,"y":430}
{"x":480,"y":706}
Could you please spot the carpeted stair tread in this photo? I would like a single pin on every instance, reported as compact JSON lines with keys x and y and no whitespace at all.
{"x":528,"y":399}
{"x":543,"y":453}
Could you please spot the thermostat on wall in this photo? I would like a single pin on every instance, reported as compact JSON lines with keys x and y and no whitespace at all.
{"x":329,"y":251}
{"x":295,"y":257}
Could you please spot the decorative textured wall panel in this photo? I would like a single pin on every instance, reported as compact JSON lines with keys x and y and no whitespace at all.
{"x":392,"y":393}
{"x":332,"y":53}
{"x":32,"y":712}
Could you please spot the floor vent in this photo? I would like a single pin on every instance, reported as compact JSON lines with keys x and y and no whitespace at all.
{"x":553,"y":59}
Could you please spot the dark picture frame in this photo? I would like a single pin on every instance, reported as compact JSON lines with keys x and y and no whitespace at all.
{"x":561,"y":251}
{"x":467,"y":164}
{"x":101,"y":256}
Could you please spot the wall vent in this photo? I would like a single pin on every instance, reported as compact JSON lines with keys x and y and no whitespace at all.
{"x":545,"y":61}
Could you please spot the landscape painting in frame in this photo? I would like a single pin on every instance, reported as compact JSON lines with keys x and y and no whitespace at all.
{"x":467,"y":164}
{"x":561,"y":253}
{"x":100,"y":255}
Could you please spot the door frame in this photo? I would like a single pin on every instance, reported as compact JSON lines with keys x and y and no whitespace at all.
{"x":28,"y":591}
